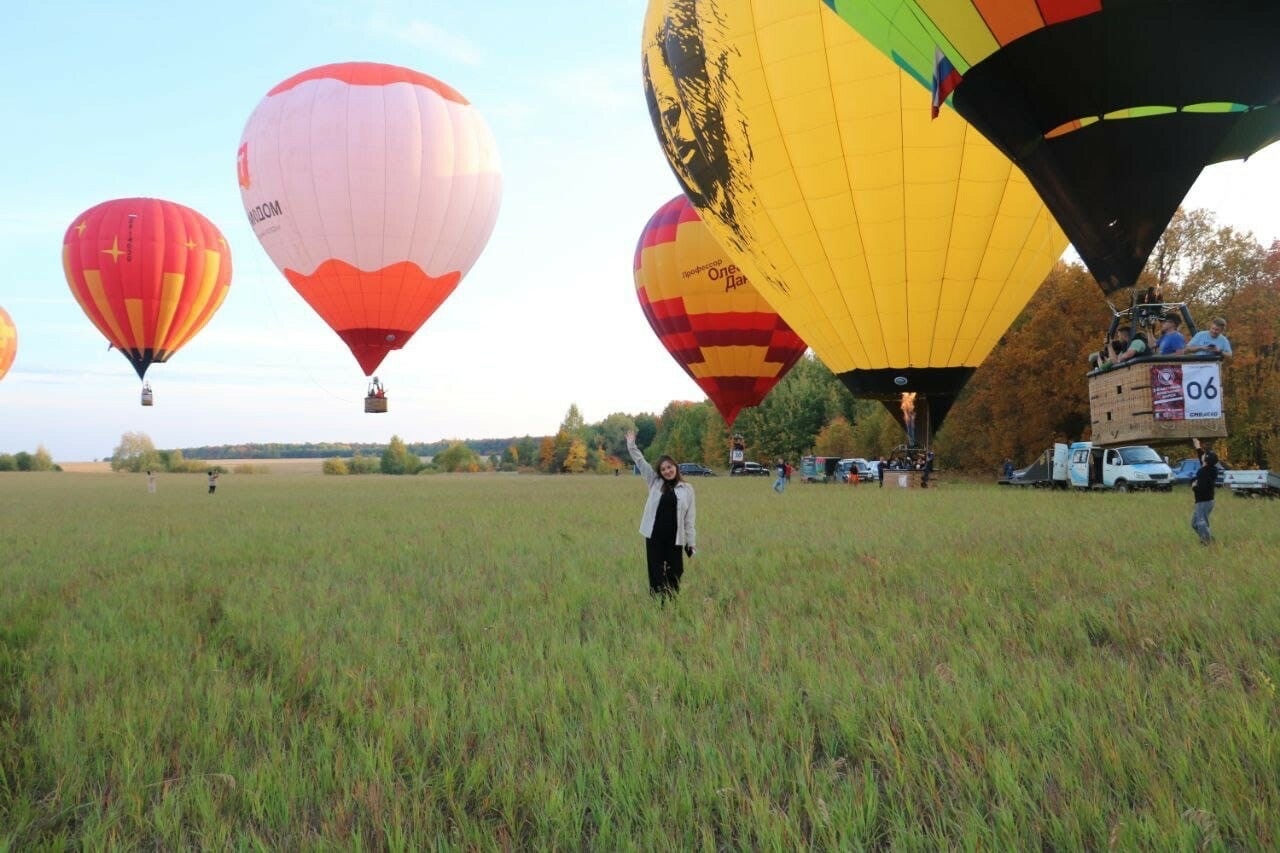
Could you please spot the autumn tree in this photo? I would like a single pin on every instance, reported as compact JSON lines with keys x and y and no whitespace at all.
{"x":547,"y":455}
{"x":835,"y":439}
{"x":1031,"y":390}
{"x":1251,"y":377}
{"x":575,"y":460}
{"x":135,"y":453}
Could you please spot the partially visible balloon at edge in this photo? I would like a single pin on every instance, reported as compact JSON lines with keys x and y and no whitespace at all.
{"x":8,"y":342}
{"x":1111,"y":109}
{"x":716,"y":326}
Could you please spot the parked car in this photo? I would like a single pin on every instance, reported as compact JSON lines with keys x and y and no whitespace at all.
{"x":1185,"y":471}
{"x":865,"y":470}
{"x":751,"y":469}
{"x":693,"y":469}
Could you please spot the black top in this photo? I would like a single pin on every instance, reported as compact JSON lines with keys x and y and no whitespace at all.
{"x":1202,"y":485}
{"x":664,"y":523}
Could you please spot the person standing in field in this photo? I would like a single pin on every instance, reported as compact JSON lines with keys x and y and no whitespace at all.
{"x":151,"y":483}
{"x":880,"y":466}
{"x":213,"y":480}
{"x":668,"y":522}
{"x":780,"y":484}
{"x":1202,"y":491}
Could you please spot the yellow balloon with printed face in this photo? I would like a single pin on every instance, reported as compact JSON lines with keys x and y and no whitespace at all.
{"x":899,"y":247}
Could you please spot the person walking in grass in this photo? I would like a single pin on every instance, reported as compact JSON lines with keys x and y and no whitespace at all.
{"x":668,"y":522}
{"x":213,"y":480}
{"x":780,"y":484}
{"x":151,"y":483}
{"x":1202,"y":491}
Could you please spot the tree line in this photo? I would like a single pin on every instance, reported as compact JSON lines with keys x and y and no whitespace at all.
{"x":1030,"y":392}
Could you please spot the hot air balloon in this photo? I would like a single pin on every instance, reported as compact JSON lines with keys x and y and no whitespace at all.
{"x":149,"y":274}
{"x":898,"y":248}
{"x":374,"y":189}
{"x":708,"y":316}
{"x":8,"y":342}
{"x":1111,"y":109}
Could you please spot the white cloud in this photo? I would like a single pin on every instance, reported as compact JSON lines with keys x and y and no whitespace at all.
{"x":427,"y":36}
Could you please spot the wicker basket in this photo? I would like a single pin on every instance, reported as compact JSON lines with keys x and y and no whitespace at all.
{"x":1121,"y":409}
{"x":375,"y":405}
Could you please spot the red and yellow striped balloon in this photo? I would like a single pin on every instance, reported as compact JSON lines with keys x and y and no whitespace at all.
{"x":708,"y":316}
{"x":8,"y":342}
{"x":148,"y":273}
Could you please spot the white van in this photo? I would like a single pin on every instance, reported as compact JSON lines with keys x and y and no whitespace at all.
{"x":1121,"y":468}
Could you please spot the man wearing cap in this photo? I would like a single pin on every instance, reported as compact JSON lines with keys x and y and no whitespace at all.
{"x":1202,"y":490}
{"x":1171,"y":340}
{"x":1210,"y":341}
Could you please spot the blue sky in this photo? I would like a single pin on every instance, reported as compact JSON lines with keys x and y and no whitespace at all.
{"x":105,"y":101}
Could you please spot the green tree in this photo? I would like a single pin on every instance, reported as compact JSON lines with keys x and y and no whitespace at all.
{"x":680,"y":431}
{"x":646,"y":429}
{"x":23,"y":460}
{"x":789,"y":419}
{"x":613,"y":434}
{"x":458,"y":457}
{"x":135,"y":452}
{"x":527,"y":452}
{"x":573,"y":423}
{"x":334,"y":465}
{"x":397,"y":459}
{"x":715,"y":442}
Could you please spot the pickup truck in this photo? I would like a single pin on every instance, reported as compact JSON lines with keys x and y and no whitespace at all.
{"x":1256,"y":482}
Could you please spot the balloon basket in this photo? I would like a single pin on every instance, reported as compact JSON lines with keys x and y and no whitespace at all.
{"x":147,"y":398}
{"x":372,"y":405}
{"x":1134,"y":403}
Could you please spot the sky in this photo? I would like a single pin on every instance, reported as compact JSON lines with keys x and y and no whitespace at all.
{"x":106,"y":101}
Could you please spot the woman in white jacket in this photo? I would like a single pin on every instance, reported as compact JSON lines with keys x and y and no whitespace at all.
{"x":668,"y":522}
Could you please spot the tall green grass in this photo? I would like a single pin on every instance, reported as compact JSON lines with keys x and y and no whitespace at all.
{"x":474,"y":662}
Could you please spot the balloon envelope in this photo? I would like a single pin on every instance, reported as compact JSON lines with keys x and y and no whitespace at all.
{"x":1112,"y":109}
{"x":8,"y":342}
{"x":899,"y":248}
{"x":708,"y":316}
{"x":149,"y":273}
{"x":373,"y":188}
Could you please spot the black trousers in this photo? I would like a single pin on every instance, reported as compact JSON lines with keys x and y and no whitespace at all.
{"x":666,"y":565}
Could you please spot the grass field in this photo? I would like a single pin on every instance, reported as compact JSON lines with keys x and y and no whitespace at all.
{"x":473,"y":662}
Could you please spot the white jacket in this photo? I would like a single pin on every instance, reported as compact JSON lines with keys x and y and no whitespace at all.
{"x":686,"y":513}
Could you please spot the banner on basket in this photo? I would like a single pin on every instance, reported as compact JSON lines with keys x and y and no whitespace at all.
{"x":1186,"y":392}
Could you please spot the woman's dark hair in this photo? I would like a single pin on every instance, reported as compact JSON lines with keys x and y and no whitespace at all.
{"x":667,"y":485}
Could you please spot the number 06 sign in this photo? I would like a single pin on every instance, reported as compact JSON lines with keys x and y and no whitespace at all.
{"x":1186,"y":392}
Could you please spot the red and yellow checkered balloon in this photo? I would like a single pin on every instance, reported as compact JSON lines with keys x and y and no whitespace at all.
{"x":706,"y":313}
